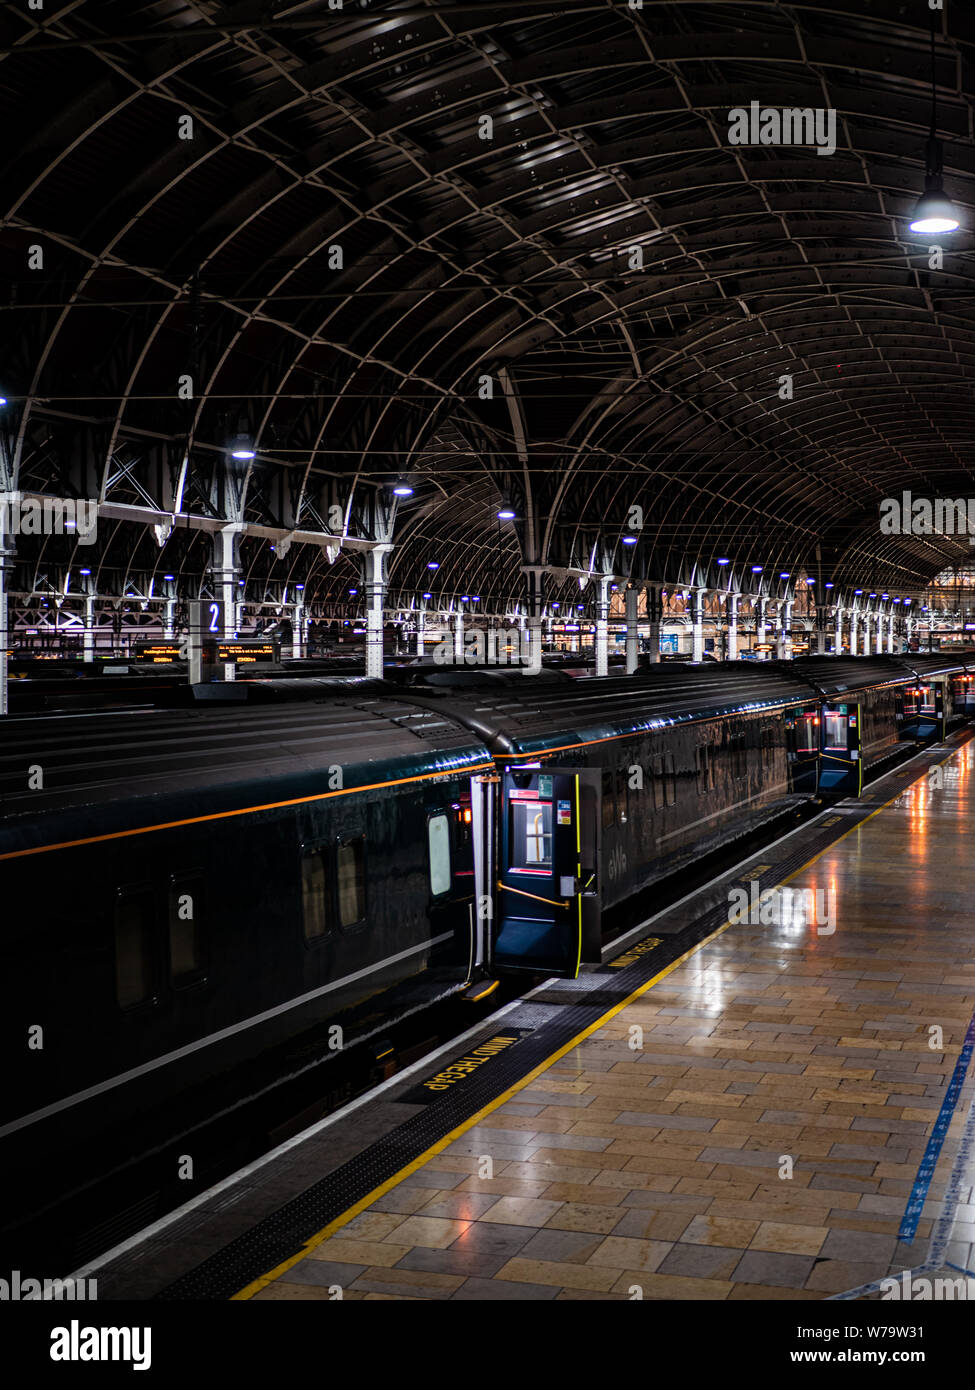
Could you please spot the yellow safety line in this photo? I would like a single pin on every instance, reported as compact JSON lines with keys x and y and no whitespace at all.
{"x":265,"y":1279}
{"x":441,"y":1144}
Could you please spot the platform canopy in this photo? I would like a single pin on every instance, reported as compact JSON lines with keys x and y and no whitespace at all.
{"x":493,"y":252}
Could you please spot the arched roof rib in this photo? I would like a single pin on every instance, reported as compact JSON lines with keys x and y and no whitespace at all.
{"x":461,"y":257}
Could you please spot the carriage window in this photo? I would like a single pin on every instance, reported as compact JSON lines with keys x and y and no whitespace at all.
{"x":622,"y":790}
{"x":705,"y":769}
{"x":739,"y":756}
{"x":658,"y":783}
{"x":134,"y":968}
{"x":187,"y":958}
{"x":531,"y":836}
{"x":314,"y":886}
{"x":835,"y":730}
{"x":351,"y":859}
{"x":609,"y":805}
{"x":670,"y":781}
{"x":438,"y":840}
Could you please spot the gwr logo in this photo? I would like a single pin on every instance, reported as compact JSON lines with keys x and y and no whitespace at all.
{"x":616,"y":866}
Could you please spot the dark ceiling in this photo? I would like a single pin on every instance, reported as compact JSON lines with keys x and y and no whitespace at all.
{"x":506,"y":257}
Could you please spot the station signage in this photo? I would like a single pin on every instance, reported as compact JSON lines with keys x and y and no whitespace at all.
{"x":157,"y":653}
{"x":246,"y":652}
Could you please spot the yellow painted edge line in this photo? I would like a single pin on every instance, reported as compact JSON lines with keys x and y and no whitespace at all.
{"x":265,"y":1279}
{"x":441,"y":1144}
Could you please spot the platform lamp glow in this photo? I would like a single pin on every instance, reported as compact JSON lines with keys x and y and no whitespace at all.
{"x":935,"y":212}
{"x":242,"y":447}
{"x":401,"y":488}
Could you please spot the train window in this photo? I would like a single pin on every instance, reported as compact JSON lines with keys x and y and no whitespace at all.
{"x":658,"y":783}
{"x":438,"y":840}
{"x":670,"y":781}
{"x":622,"y":802}
{"x":531,"y":836}
{"x":351,"y":858}
{"x":739,"y":756}
{"x":609,"y":805}
{"x":135,"y":974}
{"x":314,"y":895}
{"x":705,"y":769}
{"x":187,"y":958}
{"x":835,"y":731}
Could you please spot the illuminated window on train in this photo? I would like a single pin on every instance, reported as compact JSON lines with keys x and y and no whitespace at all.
{"x":351,"y":859}
{"x":836,"y":731}
{"x":531,"y":835}
{"x":134,"y":972}
{"x":438,"y":840}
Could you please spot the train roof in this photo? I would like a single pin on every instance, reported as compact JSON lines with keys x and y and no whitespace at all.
{"x":132,"y":766}
{"x":525,"y":715}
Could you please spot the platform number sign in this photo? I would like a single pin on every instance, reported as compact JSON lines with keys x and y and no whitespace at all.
{"x":207,"y":618}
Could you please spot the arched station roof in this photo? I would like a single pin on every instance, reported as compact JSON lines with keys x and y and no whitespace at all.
{"x":386,"y":205}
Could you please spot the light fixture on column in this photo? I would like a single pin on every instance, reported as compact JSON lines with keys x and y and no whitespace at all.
{"x":401,"y":488}
{"x":630,"y":540}
{"x":506,"y":511}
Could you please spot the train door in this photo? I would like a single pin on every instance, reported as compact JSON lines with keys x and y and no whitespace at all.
{"x":547,"y":917}
{"x":963,"y":695}
{"x":931,"y":710}
{"x":840,"y":761}
{"x":802,"y":748}
{"x":924,"y":711}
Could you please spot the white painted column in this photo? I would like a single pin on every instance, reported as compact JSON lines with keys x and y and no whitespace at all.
{"x":760,"y":627}
{"x":655,"y":608}
{"x":783,"y":641}
{"x":374,"y":573}
{"x":459,"y":636}
{"x":632,"y":634}
{"x":298,"y":630}
{"x":879,"y":635}
{"x":421,"y":627}
{"x":88,"y":638}
{"x":890,"y":635}
{"x":697,"y":625}
{"x":731,"y":640}
{"x":854,"y":635}
{"x":6,"y":565}
{"x":838,"y":636}
{"x":602,"y":625}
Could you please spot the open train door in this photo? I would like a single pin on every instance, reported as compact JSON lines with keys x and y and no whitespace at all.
{"x":841,"y":764}
{"x":931,"y":710}
{"x":548,"y":910}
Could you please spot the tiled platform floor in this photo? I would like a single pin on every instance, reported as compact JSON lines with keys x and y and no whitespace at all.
{"x":652,"y":1164}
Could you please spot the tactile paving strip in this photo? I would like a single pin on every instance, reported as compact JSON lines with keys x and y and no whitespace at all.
{"x":283,"y":1233}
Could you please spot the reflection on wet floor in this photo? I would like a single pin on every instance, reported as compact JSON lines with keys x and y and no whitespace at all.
{"x":751,"y":1127}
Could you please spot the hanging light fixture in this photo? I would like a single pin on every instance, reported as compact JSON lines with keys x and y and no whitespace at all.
{"x":935,"y":212}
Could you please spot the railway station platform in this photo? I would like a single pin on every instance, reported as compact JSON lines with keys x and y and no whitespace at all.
{"x":730,"y":1110}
